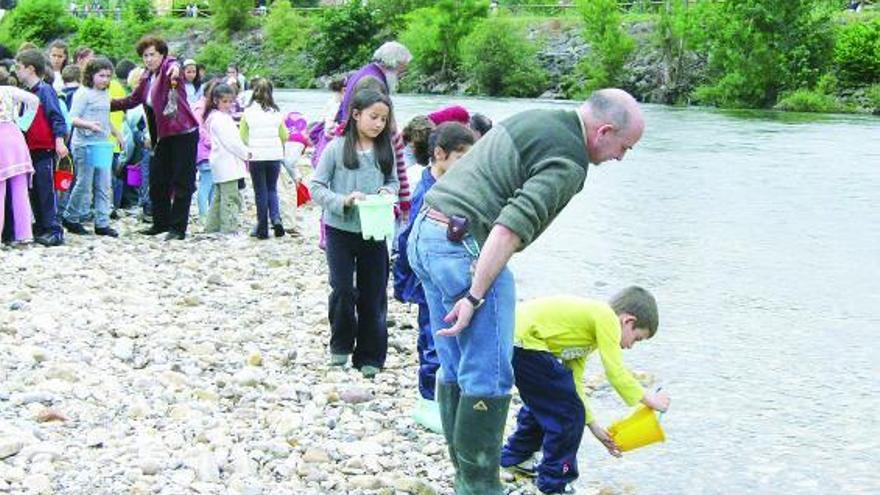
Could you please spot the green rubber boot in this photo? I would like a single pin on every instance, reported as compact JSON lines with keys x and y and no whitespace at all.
{"x":447,"y":395}
{"x":478,"y":435}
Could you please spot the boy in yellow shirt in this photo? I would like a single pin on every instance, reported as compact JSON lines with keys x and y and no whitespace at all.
{"x":553,"y":338}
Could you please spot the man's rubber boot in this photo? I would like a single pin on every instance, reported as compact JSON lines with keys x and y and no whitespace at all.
{"x":479,"y":434}
{"x":447,"y":396}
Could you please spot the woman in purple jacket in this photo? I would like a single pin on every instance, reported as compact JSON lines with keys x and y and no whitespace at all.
{"x":175,"y":128}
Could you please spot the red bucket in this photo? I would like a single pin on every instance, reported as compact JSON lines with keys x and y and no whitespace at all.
{"x":133,"y":175}
{"x":64,"y":175}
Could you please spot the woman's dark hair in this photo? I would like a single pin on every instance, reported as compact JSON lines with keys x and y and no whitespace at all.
{"x":123,"y":68}
{"x":416,"y":133}
{"x":263,"y":94}
{"x":94,"y":66}
{"x":450,"y":136}
{"x":363,"y":99}
{"x":337,"y":84}
{"x":480,"y":123}
{"x":218,"y":91}
{"x":154,"y":41}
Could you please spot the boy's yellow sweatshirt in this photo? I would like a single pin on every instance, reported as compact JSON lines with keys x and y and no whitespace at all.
{"x":571,"y":328}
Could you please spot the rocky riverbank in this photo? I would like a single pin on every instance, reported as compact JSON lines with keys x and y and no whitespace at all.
{"x":137,"y":366}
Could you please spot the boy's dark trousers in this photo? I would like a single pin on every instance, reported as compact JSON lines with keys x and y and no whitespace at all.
{"x":173,"y":181}
{"x":429,"y":362}
{"x":43,"y":194}
{"x":551,"y":419}
{"x":357,"y":313}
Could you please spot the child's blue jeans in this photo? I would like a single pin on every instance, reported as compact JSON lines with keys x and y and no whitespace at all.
{"x":91,"y":182}
{"x":478,"y":358}
{"x":429,"y":363}
{"x":206,"y":182}
{"x":551,"y":419}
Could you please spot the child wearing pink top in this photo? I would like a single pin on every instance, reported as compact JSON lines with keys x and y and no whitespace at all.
{"x":15,"y":161}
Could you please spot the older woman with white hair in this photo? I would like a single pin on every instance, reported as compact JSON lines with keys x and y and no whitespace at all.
{"x":388,"y":65}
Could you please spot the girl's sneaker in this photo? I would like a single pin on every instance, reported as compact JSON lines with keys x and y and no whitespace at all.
{"x":427,"y":414}
{"x":369,"y":371}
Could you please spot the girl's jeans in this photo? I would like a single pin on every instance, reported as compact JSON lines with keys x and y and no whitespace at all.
{"x":90,"y":182}
{"x":206,"y":183}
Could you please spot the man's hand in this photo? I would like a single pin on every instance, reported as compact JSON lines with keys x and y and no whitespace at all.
{"x":602,"y":435}
{"x":657,"y":402}
{"x":92,"y":126}
{"x":60,"y":148}
{"x":461,"y":314}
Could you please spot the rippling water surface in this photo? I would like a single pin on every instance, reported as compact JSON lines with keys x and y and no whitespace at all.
{"x":759,"y":233}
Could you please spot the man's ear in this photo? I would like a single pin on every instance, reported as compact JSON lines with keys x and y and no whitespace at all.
{"x":439,"y":154}
{"x":605,"y":129}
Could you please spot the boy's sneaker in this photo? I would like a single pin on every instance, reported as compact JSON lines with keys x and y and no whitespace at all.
{"x":49,"y":240}
{"x":75,"y":228}
{"x":278,"y":229}
{"x":107,"y":231}
{"x":527,"y":468}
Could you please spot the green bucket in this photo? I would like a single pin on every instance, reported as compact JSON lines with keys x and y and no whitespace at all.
{"x":376,"y":212}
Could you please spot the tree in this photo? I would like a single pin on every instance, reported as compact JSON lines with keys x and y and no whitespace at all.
{"x":231,"y":15}
{"x":759,"y":49}
{"x":610,"y":46}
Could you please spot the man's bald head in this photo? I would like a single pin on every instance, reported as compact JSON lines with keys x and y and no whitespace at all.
{"x":616,"y":107}
{"x":611,"y":113}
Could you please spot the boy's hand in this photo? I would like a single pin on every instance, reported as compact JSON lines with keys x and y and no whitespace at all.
{"x":657,"y":402}
{"x":60,"y":148}
{"x":602,"y":435}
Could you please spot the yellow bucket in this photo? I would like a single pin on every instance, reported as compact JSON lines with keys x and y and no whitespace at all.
{"x":639,"y":429}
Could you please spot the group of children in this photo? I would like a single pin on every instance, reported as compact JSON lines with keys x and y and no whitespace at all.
{"x":362,"y":155}
{"x":72,"y":114}
{"x":553,"y":335}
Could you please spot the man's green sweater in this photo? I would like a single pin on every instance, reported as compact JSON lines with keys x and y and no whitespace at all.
{"x":520,"y":175}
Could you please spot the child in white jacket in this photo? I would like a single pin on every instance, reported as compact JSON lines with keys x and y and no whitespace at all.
{"x":263,"y":130}
{"x":228,"y":154}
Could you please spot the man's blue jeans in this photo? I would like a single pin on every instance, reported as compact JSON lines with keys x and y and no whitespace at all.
{"x":478,"y":358}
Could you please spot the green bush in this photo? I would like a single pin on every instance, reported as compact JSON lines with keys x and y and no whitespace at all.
{"x":610,"y":46}
{"x":37,"y":21}
{"x":285,"y":29}
{"x":216,"y":55}
{"x":434,"y":34}
{"x":501,"y":61}
{"x":805,"y":100}
{"x":139,"y":12}
{"x":231,"y":15}
{"x":344,"y":38}
{"x":761,"y":48}
{"x":873,"y":94}
{"x":98,"y":33}
{"x":857,"y":53}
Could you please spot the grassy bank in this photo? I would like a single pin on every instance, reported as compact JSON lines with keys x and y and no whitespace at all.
{"x":808,"y":56}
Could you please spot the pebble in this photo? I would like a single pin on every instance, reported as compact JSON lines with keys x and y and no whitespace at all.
{"x":199,"y":367}
{"x":9,"y":447}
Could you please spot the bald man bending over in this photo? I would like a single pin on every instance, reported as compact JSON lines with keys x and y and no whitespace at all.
{"x":494,"y":202}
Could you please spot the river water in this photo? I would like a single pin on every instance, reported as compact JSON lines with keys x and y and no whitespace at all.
{"x":759,"y":234}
